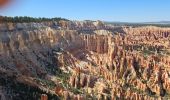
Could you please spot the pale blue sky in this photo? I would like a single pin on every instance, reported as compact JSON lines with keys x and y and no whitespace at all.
{"x":106,"y":10}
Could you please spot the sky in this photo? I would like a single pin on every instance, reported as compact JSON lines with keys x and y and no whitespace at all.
{"x":105,"y":10}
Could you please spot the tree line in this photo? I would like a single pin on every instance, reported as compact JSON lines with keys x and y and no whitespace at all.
{"x":26,"y":19}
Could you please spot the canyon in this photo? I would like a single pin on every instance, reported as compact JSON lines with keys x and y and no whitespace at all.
{"x":83,"y":60}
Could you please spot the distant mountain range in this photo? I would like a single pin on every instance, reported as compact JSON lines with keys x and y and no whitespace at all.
{"x":159,"y":24}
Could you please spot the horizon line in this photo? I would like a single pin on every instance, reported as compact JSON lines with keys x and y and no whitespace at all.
{"x":159,"y":21}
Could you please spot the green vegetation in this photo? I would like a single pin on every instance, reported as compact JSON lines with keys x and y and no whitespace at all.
{"x":139,"y":91}
{"x":21,"y":91}
{"x":27,"y":19}
{"x":64,"y":77}
{"x":47,"y":83}
{"x":75,"y":90}
{"x":147,"y":52}
{"x":167,"y":96}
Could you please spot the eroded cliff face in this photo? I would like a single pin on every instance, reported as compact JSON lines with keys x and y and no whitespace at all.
{"x":83,"y":60}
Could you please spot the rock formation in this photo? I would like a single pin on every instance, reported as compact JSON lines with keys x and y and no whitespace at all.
{"x":87,"y":60}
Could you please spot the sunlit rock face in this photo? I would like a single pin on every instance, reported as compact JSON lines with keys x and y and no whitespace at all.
{"x":86,"y":60}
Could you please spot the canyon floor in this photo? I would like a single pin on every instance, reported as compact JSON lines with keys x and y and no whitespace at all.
{"x":83,"y":60}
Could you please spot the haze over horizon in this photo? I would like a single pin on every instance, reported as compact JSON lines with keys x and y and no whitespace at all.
{"x":112,"y":10}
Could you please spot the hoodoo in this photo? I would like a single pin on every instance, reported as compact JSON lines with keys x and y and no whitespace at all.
{"x":81,"y":60}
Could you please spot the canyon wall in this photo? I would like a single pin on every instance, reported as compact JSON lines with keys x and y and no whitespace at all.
{"x":87,"y":59}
